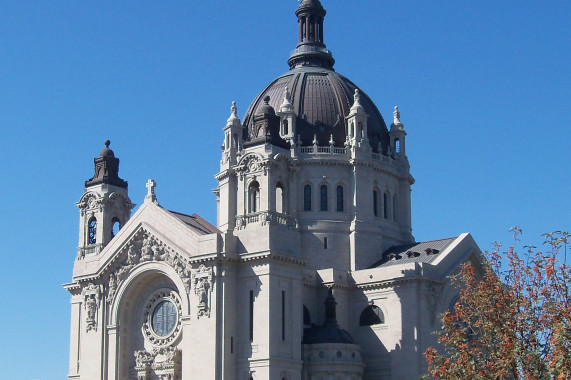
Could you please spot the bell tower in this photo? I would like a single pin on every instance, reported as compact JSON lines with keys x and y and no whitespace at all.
{"x":104,"y":206}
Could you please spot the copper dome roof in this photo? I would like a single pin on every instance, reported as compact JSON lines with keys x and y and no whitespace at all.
{"x":321,"y":97}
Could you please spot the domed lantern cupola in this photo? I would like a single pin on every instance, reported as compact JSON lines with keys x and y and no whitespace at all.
{"x":311,"y":50}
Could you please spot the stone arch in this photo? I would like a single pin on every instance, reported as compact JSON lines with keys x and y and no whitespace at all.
{"x":141,"y":271}
{"x":127,"y":312}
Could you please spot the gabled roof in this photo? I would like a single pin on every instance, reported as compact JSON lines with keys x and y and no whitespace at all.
{"x":196,"y":222}
{"x":420,"y":252}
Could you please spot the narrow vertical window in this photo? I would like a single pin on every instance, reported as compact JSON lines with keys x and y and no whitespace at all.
{"x":283,"y":315}
{"x":324,"y":243}
{"x":395,"y":208}
{"x":92,"y":238}
{"x":280,"y":198}
{"x":254,"y":197}
{"x":323,"y":191}
{"x":286,"y":127}
{"x":307,"y":198}
{"x":375,"y":203}
{"x":397,"y":146}
{"x":385,"y":205}
{"x":231,"y":344}
{"x":251,"y":315}
{"x":235,"y":141}
{"x":340,"y":198}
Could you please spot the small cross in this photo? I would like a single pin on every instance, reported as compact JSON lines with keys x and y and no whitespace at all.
{"x":151,"y":190}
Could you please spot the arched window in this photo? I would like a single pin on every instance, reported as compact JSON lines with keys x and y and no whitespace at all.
{"x":395,"y":209}
{"x":340,"y":198}
{"x":115,"y":226}
{"x":361,"y":133}
{"x":323,"y":198}
{"x":376,"y":202}
{"x":254,"y":197}
{"x":92,"y":231}
{"x":307,"y":198}
{"x":306,"y":317}
{"x":397,"y":146}
{"x":385,"y":205}
{"x":280,"y":205}
{"x":372,"y":315}
{"x":286,"y":127}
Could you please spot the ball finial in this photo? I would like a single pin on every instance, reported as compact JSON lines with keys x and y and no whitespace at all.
{"x":107,"y":143}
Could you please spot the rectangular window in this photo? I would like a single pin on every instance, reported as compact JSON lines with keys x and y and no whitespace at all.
{"x":324,"y":243}
{"x":283,"y":315}
{"x":231,"y":344}
{"x":251,"y":315}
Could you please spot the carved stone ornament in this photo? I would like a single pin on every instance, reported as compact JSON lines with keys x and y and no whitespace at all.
{"x":91,"y":300}
{"x":145,"y":248}
{"x":162,"y":363}
{"x":251,"y":163}
{"x":202,"y":283}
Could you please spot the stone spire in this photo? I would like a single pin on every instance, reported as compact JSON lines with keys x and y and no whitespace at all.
{"x":311,"y":49}
{"x":106,"y":169}
{"x":396,"y":115}
{"x":357,"y":107}
{"x":286,"y":104}
{"x":233,"y":119}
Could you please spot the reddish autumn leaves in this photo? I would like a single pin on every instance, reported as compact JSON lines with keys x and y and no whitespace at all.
{"x":512,"y":319}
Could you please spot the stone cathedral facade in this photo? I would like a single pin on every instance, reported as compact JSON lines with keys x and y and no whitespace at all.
{"x":311,"y":272}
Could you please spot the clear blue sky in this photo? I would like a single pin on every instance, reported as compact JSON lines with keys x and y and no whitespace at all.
{"x":483,"y":89}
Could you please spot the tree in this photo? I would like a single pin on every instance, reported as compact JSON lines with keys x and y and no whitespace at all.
{"x":512,"y":319}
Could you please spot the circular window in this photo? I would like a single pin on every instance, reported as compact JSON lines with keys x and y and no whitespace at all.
{"x":164,"y":318}
{"x":161,"y":317}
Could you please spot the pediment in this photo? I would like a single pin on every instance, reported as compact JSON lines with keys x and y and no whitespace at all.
{"x":152,"y":234}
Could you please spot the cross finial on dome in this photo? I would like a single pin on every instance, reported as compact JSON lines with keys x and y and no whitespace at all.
{"x":396,"y":114}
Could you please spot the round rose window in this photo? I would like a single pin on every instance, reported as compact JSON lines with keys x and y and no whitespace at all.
{"x":161,"y":318}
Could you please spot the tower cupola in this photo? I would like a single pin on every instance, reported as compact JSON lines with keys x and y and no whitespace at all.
{"x":106,"y":169}
{"x":104,"y":206}
{"x":311,"y":50}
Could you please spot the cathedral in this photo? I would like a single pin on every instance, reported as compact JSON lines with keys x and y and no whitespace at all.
{"x":311,"y":271}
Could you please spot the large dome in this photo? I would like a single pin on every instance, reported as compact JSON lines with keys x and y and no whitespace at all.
{"x":321,"y":97}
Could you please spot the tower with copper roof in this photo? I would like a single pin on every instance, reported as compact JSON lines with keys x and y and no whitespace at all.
{"x":104,"y":206}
